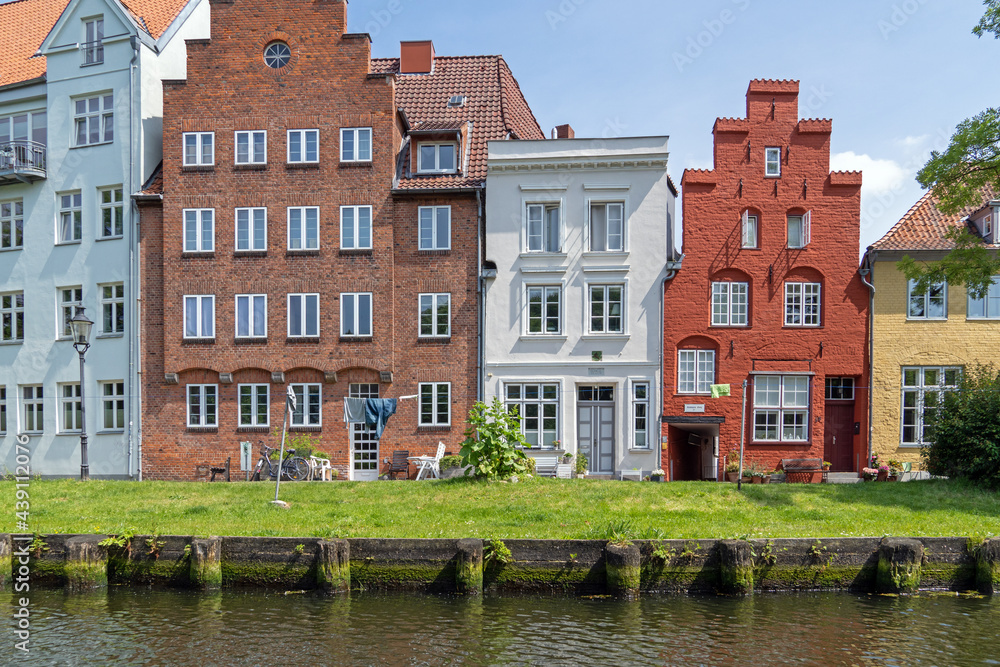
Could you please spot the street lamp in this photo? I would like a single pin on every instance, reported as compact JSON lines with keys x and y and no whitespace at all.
{"x":80,"y":327}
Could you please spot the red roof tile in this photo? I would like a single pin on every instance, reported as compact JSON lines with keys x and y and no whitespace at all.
{"x":155,"y":15}
{"x":494,"y":105}
{"x":924,"y":226}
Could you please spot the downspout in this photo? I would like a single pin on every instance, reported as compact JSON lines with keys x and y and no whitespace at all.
{"x":481,"y":297}
{"x":866,"y":271}
{"x":135,"y":405}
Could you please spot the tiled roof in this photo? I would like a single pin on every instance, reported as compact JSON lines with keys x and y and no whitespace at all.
{"x":23,"y":27}
{"x":924,"y":226}
{"x":154,"y":184}
{"x":24,"y":24}
{"x":494,"y":105}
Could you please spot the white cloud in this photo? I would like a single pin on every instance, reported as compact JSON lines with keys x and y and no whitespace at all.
{"x":880,"y":176}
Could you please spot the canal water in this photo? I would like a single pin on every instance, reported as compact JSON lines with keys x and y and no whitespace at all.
{"x":129,"y":627}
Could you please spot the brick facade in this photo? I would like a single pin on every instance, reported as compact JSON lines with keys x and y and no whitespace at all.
{"x":714,"y":203}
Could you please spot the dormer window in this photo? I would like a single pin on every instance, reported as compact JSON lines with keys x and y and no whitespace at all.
{"x":436,"y":158}
{"x":93,"y":44}
{"x":772,"y":162}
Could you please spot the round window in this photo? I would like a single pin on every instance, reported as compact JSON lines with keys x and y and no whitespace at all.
{"x":277,"y":55}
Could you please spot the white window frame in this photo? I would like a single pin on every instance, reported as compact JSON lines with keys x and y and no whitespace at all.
{"x":606,"y":316}
{"x":356,"y":324}
{"x":750,"y":231}
{"x":208,"y":410}
{"x":356,"y":133}
{"x":547,"y":403}
{"x":606,"y":241}
{"x":430,"y":239}
{"x":783,"y":388}
{"x":350,"y":221}
{"x":201,"y":320}
{"x":772,"y":161}
{"x":304,"y":324}
{"x":543,"y":317}
{"x":538,"y":233}
{"x":259,"y":396}
{"x":69,"y":223}
{"x":202,"y":222}
{"x":203,"y":144}
{"x":252,"y":156}
{"x":113,"y":305}
{"x":437,"y":146}
{"x":254,"y":225}
{"x":641,"y":414}
{"x":103,"y":115}
{"x":111,"y":200}
{"x":311,"y":394}
{"x":12,"y":317}
{"x":303,"y":138}
{"x":69,"y":300}
{"x":250,"y":302}
{"x":71,"y":401}
{"x":115,"y":400}
{"x":695,"y":371}
{"x":921,"y":389}
{"x":990,"y":303}
{"x":430,"y":396}
{"x":798,"y":297}
{"x":730,"y":304}
{"x":804,"y":236}
{"x":32,"y":408}
{"x":303,"y":240}
{"x":92,"y":43}
{"x":924,"y":301}
{"x":12,"y":224}
{"x":429,"y":316}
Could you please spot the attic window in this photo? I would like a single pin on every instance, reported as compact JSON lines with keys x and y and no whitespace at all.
{"x":277,"y":55}
{"x":457,"y":101}
{"x":436,"y":158}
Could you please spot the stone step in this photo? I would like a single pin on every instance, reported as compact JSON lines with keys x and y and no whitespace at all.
{"x":842,"y":478}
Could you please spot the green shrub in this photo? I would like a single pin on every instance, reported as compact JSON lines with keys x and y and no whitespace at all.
{"x":964,"y":433}
{"x":492,"y":442}
{"x":581,"y":463}
{"x":451,"y":461}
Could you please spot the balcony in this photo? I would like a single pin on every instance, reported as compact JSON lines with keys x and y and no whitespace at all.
{"x":21,"y":161}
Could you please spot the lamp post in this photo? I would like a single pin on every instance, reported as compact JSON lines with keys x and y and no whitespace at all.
{"x":80,"y":327}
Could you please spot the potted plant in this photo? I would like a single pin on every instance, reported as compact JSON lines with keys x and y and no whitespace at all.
{"x":895,"y":468}
{"x":581,"y":465}
{"x":826,"y":466}
{"x":656,"y":475}
{"x":567,"y":458}
{"x":732,"y":465}
{"x":757,"y":473}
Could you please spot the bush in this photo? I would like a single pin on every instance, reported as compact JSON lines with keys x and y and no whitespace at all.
{"x":492,"y":442}
{"x":581,"y":463}
{"x":451,"y":461}
{"x":964,"y":433}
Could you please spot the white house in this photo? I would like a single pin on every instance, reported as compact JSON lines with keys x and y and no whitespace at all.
{"x":80,"y":131}
{"x":578,"y":235}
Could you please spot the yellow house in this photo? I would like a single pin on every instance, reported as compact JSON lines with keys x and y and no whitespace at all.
{"x":919,"y":343}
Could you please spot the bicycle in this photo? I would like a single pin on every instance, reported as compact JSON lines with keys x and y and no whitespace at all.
{"x":293,"y":468}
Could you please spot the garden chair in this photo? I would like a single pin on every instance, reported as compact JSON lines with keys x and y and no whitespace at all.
{"x":429,"y":465}
{"x":400,"y":464}
{"x":321,"y":467}
{"x":221,"y":470}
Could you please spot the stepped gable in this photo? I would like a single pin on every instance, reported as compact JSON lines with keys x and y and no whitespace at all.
{"x":924,"y":226}
{"x":495,"y":107}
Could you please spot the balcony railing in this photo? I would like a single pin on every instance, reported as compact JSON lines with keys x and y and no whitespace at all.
{"x":93,"y":52}
{"x":21,"y":161}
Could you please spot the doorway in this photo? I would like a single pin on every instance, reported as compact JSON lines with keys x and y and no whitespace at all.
{"x":595,"y":411}
{"x":838,"y":434}
{"x":364,"y":443}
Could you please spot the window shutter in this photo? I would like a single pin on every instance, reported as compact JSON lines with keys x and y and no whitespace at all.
{"x":807,"y":228}
{"x":746,"y":228}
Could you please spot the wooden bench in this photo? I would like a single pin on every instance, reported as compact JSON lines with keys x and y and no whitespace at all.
{"x":545,"y":464}
{"x":221,"y":470}
{"x":802,"y":471}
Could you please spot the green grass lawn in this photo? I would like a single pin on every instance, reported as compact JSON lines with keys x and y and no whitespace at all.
{"x":535,"y":508}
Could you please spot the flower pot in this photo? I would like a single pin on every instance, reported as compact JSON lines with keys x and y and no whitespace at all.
{"x":882,"y":476}
{"x":656,"y":478}
{"x":892,"y":478}
{"x":757,"y":480}
{"x":766,"y":479}
{"x":732,"y":476}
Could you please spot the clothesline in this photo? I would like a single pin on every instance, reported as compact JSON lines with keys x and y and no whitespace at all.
{"x":371,"y":411}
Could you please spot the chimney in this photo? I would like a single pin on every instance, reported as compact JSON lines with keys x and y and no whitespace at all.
{"x":416,"y":57}
{"x":563,"y":132}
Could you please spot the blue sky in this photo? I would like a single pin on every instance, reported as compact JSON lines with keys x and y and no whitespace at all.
{"x":896,"y":76}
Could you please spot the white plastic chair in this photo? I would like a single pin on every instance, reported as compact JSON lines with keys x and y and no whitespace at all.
{"x":429,"y":465}
{"x":320,"y":466}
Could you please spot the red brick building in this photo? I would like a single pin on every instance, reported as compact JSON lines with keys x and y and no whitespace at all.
{"x":317,"y":225}
{"x":769,"y":293}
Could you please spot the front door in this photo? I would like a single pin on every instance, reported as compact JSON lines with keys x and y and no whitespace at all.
{"x":364,"y":444}
{"x":839,"y":436}
{"x":596,"y":427}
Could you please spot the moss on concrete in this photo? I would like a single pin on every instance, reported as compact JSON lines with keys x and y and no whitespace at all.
{"x":86,"y":574}
{"x":297,"y":576}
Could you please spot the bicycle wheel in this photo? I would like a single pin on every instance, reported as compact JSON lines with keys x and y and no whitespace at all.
{"x":296,"y":469}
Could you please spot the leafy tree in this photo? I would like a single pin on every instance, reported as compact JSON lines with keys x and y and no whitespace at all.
{"x":964,"y":432}
{"x":969,"y":264}
{"x":991,"y":19}
{"x":492,"y":442}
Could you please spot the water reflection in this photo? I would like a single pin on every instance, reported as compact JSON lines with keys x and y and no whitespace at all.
{"x":250,"y":628}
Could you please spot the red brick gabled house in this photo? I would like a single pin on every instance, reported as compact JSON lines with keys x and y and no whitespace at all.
{"x":317,"y":225}
{"x":769,"y":293}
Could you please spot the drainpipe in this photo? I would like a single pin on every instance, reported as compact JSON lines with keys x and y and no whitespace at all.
{"x":481,"y":297}
{"x":672,"y":267}
{"x":134,"y":388}
{"x":866,"y":270}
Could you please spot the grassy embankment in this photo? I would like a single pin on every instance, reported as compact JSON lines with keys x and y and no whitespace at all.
{"x":536,"y":508}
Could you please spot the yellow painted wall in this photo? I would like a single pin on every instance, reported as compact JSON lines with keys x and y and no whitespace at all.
{"x":900,"y":342}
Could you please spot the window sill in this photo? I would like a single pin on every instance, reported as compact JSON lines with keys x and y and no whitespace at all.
{"x":935,"y":319}
{"x":253,"y":429}
{"x":981,"y":319}
{"x":796,"y":247}
{"x":12,"y":249}
{"x":197,"y":341}
{"x":908,"y":445}
{"x":606,"y":336}
{"x":306,"y":429}
{"x":12,"y":342}
{"x":113,"y":431}
{"x":641,"y":450}
{"x":616,"y":254}
{"x":789,"y":443}
{"x":539,"y":253}
{"x":190,"y":168}
{"x":115,"y":237}
{"x":728,"y":326}
{"x":433,"y":251}
{"x":302,"y":165}
{"x":707,"y":394}
{"x":74,"y":242}
{"x":772,"y":175}
{"x":93,"y":64}
{"x":198,"y":254}
{"x":73,"y":433}
{"x":249,"y":253}
{"x":428,"y":172}
{"x":802,"y":326}
{"x":355,"y":164}
{"x":248,"y":340}
{"x":203,"y":429}
{"x":252,"y":166}
{"x":356,"y":339}
{"x":542,"y":338}
{"x":110,"y":335}
{"x":303,"y":340}
{"x":97,"y":143}
{"x":310,"y":252}
{"x":356,"y":252}
{"x":426,"y":428}
{"x":433,"y":339}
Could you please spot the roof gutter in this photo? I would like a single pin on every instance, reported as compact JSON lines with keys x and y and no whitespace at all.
{"x":436,"y":191}
{"x":22,"y":84}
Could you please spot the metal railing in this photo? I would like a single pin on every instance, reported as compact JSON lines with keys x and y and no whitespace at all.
{"x":93,"y":52}
{"x":21,"y":156}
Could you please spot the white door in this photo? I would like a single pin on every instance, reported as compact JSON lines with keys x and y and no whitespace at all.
{"x":364,"y":444}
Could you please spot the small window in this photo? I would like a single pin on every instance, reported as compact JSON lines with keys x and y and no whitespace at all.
{"x":695,"y":371}
{"x":303,"y":315}
{"x":277,"y":55}
{"x":930,"y":305}
{"x":356,"y":144}
{"x":93,"y":44}
{"x":70,"y":408}
{"x":640,"y":415}
{"x":356,"y":315}
{"x":544,"y":313}
{"x":199,"y":316}
{"x":607,"y":227}
{"x":840,"y":389}
{"x":199,"y":149}
{"x":543,"y":233}
{"x":33,"y":406}
{"x":251,"y":229}
{"x":113,"y":406}
{"x":308,"y":405}
{"x":303,"y":146}
{"x":12,"y":313}
{"x":436,"y":158}
{"x":112,"y":212}
{"x":70,"y":302}
{"x":729,"y":304}
{"x":435,"y":227}
{"x":435,"y":403}
{"x":303,"y":228}
{"x":772,"y":162}
{"x":254,"y":405}
{"x":802,"y":304}
{"x":70,"y":218}
{"x":435,"y":315}
{"x":750,"y":238}
{"x":251,"y":147}
{"x":199,"y":230}
{"x":989,"y":306}
{"x":11,"y":224}
{"x":251,"y":316}
{"x":356,"y":227}
{"x":799,"y":230}
{"x":606,"y":302}
{"x":94,"y":119}
{"x":112,"y":309}
{"x":202,"y":405}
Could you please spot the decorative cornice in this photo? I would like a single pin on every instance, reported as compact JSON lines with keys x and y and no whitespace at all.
{"x":577,"y":165}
